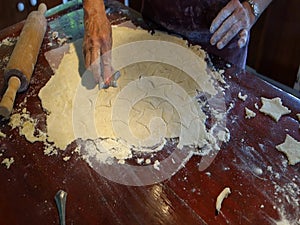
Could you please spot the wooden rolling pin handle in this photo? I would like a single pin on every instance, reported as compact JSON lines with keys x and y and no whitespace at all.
{"x":19,"y":74}
{"x":42,"y":8}
{"x":8,"y":99}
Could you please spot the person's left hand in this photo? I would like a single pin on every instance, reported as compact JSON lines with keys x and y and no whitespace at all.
{"x":235,"y":18}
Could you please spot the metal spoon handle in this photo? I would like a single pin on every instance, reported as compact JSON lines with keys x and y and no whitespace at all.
{"x":60,"y":199}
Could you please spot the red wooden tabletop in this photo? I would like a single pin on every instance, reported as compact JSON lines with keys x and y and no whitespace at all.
{"x":265,"y":189}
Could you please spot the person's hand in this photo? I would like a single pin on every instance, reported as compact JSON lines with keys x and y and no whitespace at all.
{"x":235,"y":18}
{"x":97,"y":44}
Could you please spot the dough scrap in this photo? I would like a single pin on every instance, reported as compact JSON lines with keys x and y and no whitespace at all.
{"x":27,"y":127}
{"x":67,"y":158}
{"x":2,"y":135}
{"x":224,"y":135}
{"x":9,"y":41}
{"x":298,"y":116}
{"x":224,"y":194}
{"x":156,"y":165}
{"x":291,"y":148}
{"x":242,"y":97}
{"x":249,"y":113}
{"x":8,"y":162}
{"x":273,"y":108}
{"x":154,"y":90}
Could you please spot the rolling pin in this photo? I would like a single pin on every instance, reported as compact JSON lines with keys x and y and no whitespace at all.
{"x":23,"y":58}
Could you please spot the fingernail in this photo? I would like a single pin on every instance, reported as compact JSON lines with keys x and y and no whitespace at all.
{"x":212,"y":42}
{"x":220,"y":45}
{"x":212,"y":30}
{"x":102,"y":85}
{"x":241,"y":43}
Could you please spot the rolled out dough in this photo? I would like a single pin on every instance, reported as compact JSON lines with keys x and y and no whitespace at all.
{"x":157,"y":95}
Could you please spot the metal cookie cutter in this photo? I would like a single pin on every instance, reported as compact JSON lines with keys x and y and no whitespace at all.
{"x":60,"y":199}
{"x":113,"y":81}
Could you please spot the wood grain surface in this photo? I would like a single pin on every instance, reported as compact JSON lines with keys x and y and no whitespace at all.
{"x":28,"y":187}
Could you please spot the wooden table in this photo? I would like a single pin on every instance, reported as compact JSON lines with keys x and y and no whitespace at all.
{"x":264,"y":188}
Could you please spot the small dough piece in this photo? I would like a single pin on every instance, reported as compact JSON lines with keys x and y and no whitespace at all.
{"x":156,"y":165}
{"x":273,"y":108}
{"x":66,"y":158}
{"x":298,"y":116}
{"x":8,"y":161}
{"x":249,"y":113}
{"x":140,"y":160}
{"x":9,"y":41}
{"x":2,"y":135}
{"x":231,"y":106}
{"x":291,"y":148}
{"x":223,"y":135}
{"x":242,"y":97}
{"x":54,"y":35}
{"x":15,"y":120}
{"x":224,"y":194}
{"x":49,"y":149}
{"x":28,"y":129}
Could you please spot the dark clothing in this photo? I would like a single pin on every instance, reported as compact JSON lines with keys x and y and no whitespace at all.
{"x":192,"y":19}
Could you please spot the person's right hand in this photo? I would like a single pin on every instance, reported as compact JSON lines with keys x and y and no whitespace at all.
{"x":97,"y":43}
